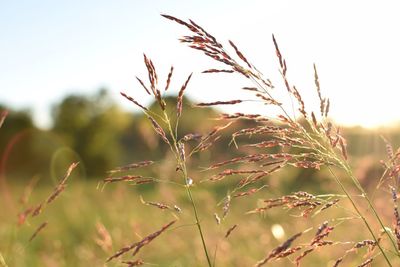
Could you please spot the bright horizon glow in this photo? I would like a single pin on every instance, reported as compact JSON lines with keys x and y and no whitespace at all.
{"x":51,"y":49}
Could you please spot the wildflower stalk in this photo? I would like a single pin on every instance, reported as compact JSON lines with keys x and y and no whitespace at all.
{"x":171,"y":139}
{"x":346,"y":167}
{"x":327,"y":152}
{"x":330,"y":154}
{"x":319,"y":141}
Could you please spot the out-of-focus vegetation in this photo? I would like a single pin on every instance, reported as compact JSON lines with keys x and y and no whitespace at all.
{"x":90,"y":222}
{"x":91,"y":129}
{"x":74,"y":235}
{"x":94,"y":130}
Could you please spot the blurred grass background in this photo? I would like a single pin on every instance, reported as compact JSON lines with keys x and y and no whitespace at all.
{"x":93,"y":130}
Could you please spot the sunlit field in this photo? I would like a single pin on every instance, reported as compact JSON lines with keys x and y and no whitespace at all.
{"x":87,"y":225}
{"x":264,"y":177}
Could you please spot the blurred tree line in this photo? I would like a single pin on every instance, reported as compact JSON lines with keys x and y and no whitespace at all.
{"x":94,"y":130}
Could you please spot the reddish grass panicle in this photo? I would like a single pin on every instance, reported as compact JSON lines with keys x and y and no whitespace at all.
{"x":295,"y":136}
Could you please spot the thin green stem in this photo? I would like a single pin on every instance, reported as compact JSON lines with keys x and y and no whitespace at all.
{"x":360,"y":214}
{"x":198,"y":225}
{"x":371,"y":206}
{"x":182,"y":166}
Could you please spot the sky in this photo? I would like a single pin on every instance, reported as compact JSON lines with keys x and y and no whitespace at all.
{"x":49,"y":49}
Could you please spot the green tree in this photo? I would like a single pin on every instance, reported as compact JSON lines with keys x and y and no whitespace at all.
{"x":92,"y":126}
{"x":21,"y":153}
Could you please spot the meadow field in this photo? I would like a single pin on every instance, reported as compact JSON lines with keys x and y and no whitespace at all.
{"x":91,"y":220}
{"x":88,"y":224}
{"x":181,"y":183}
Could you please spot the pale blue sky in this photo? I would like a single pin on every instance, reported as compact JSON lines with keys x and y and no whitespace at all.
{"x":52,"y":48}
